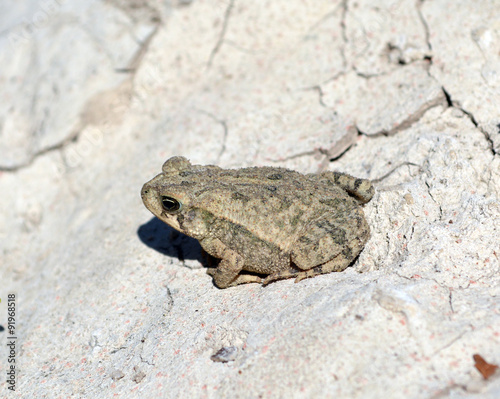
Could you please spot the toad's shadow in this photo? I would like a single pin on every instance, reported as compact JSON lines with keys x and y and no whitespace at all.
{"x":168,"y":241}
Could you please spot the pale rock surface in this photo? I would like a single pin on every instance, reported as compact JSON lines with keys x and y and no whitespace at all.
{"x":113,"y":303}
{"x":45,"y":86}
{"x":469,"y":70}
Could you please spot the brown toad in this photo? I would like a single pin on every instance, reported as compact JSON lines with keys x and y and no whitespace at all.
{"x":263,"y":220}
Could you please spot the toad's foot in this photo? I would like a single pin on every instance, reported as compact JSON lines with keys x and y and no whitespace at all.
{"x":241,"y":279}
{"x":335,"y":265}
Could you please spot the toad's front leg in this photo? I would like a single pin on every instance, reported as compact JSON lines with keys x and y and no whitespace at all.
{"x":227,"y":273}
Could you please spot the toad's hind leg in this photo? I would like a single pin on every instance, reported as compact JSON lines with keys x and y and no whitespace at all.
{"x":362,"y":189}
{"x":337,"y":264}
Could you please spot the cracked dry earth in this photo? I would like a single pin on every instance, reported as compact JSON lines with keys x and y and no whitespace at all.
{"x":110,"y":302}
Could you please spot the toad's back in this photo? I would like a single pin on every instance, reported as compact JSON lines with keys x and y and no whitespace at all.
{"x":274,"y":204}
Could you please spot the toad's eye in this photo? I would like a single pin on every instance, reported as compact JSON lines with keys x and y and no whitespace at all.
{"x":170,"y":204}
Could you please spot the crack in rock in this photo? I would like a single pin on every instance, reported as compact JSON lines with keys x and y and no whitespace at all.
{"x":223,"y":123}
{"x":473,"y":120}
{"x":222,"y":35}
